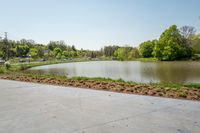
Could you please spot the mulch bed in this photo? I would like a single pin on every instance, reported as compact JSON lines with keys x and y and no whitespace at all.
{"x":180,"y":93}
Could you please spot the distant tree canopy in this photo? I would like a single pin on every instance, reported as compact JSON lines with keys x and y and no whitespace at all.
{"x":133,"y":53}
{"x":57,"y":44}
{"x":22,"y":50}
{"x":126,"y":53}
{"x":33,"y":53}
{"x":109,"y":50}
{"x":2,"y":49}
{"x":173,"y":44}
{"x":60,"y":44}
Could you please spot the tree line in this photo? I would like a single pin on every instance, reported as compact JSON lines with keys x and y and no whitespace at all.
{"x":173,"y":44}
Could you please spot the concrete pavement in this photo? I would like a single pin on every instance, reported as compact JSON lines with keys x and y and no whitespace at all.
{"x":36,"y":108}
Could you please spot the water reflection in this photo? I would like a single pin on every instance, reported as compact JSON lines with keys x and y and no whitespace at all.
{"x":145,"y":72}
{"x":175,"y":72}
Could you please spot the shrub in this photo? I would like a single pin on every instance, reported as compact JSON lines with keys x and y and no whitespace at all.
{"x":23,"y":67}
{"x":2,"y":70}
{"x":7,"y":65}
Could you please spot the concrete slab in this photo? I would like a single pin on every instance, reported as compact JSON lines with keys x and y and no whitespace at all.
{"x":36,"y":108}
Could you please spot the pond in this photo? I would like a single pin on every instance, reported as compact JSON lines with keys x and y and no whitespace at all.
{"x":136,"y":71}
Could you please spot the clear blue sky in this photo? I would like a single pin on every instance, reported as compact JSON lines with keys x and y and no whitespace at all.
{"x":91,"y":24}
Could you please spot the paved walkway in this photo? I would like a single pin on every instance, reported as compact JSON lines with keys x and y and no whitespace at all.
{"x":36,"y":108}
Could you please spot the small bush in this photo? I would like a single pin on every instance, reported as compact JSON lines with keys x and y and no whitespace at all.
{"x":23,"y":67}
{"x":2,"y":70}
{"x":7,"y":65}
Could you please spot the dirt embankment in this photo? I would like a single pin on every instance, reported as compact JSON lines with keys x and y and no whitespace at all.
{"x":181,"y":93}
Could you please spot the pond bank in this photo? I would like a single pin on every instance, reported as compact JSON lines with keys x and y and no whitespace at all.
{"x":19,"y":67}
{"x":190,"y":92}
{"x":180,"y":91}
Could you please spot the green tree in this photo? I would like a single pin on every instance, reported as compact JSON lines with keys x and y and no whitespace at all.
{"x":146,"y":48}
{"x":58,"y":56}
{"x":171,"y":45}
{"x":5,"y":48}
{"x":41,"y":50}
{"x":109,"y":50}
{"x":126,"y":53}
{"x":46,"y":56}
{"x":120,"y":54}
{"x":34,"y":53}
{"x":72,"y":53}
{"x":134,"y":53}
{"x":1,"y":54}
{"x":196,"y":43}
{"x":50,"y":55}
{"x":2,"y":49}
{"x":22,"y":50}
{"x":66,"y":54}
{"x":29,"y":43}
{"x":57,"y":51}
{"x":73,"y":48}
{"x":57,"y":44}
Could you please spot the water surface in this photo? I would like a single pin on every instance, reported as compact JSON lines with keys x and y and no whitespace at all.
{"x":137,"y":71}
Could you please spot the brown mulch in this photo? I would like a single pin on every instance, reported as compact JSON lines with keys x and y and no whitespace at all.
{"x":180,"y":93}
